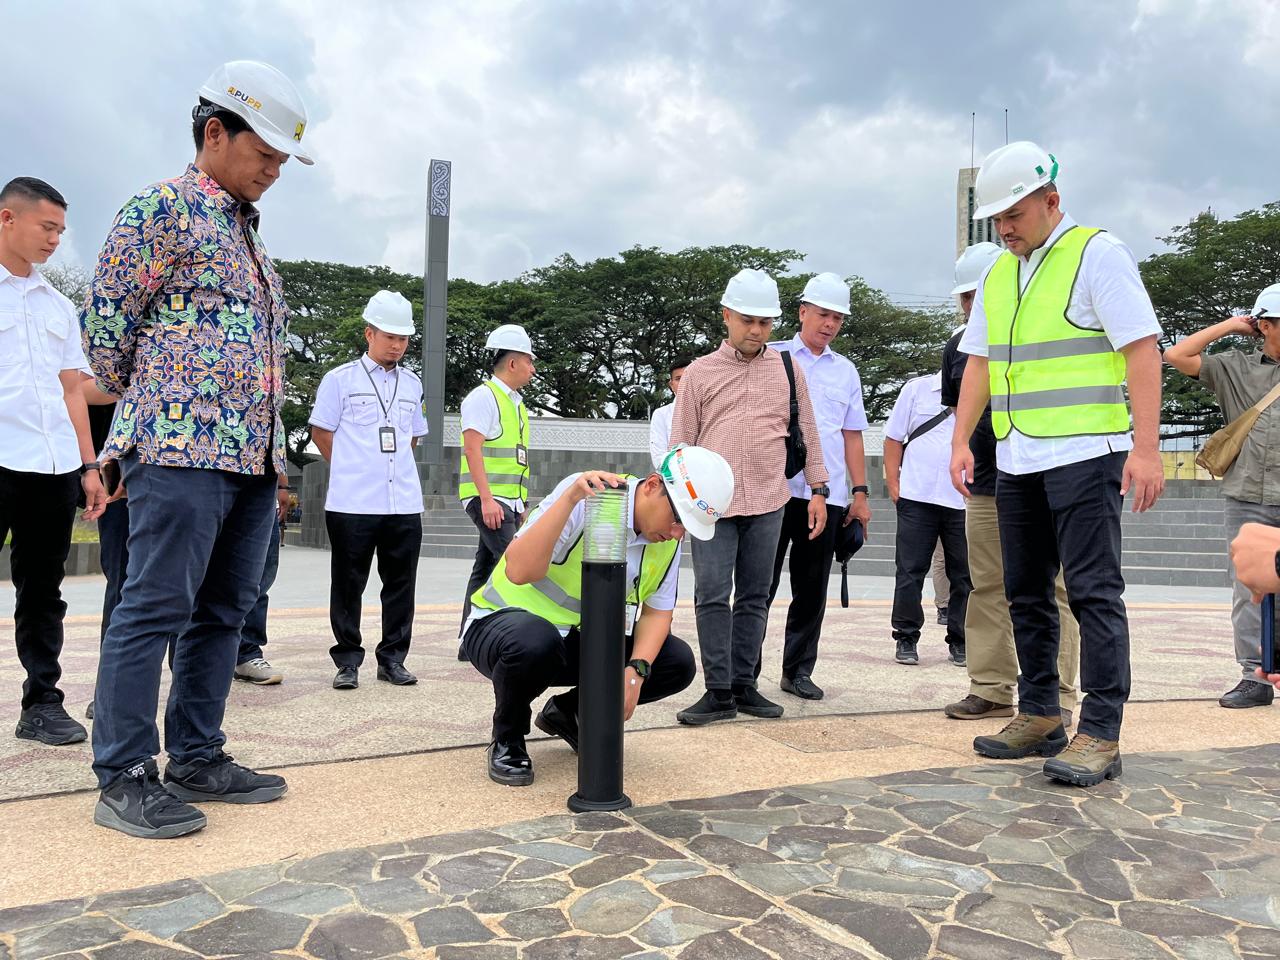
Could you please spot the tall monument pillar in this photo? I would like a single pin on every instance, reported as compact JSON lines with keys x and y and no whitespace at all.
{"x":435,"y":308}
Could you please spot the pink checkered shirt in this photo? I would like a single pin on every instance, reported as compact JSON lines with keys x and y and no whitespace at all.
{"x":740,"y":408}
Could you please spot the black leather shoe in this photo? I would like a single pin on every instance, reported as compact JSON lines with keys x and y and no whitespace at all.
{"x":509,"y":763}
{"x":1248,"y":693}
{"x":348,"y":678}
{"x":751,"y":702}
{"x":397,"y":674}
{"x":554,"y":721}
{"x":801,"y":686}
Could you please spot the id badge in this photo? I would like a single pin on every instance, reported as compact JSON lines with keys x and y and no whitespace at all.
{"x":522,"y":455}
{"x":633,"y":615}
{"x":387,"y":439}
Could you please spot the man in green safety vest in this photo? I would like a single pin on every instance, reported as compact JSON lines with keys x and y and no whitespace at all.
{"x":494,"y":480}
{"x":522,"y":631}
{"x":1060,"y":325}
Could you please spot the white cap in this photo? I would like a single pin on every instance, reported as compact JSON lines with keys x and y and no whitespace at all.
{"x":390,"y":312}
{"x":973,"y":263}
{"x":1268,"y":303}
{"x":700,"y":483}
{"x":510,"y":336}
{"x":827,"y":290}
{"x":1010,"y":173}
{"x":753,"y":293}
{"x":265,"y":99}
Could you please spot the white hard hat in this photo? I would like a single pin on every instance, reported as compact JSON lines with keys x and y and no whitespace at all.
{"x":1010,"y":173}
{"x":828,"y":291}
{"x":700,"y":484}
{"x":390,"y":312}
{"x":753,"y":293}
{"x":510,"y":336}
{"x":266,"y":100}
{"x":973,"y":263}
{"x":1268,"y":303}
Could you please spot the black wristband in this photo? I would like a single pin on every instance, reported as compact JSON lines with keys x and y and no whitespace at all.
{"x":86,"y":467}
{"x":1278,"y":563}
{"x":861,"y":488}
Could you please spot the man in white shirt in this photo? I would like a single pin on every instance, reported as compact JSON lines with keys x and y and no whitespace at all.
{"x":47,"y":453}
{"x":366,"y":422}
{"x":493,"y":483}
{"x":835,"y":390}
{"x":1060,"y":325}
{"x":917,"y":453}
{"x":660,"y":419}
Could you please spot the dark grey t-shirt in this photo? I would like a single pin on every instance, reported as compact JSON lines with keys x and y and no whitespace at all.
{"x":1239,"y":380}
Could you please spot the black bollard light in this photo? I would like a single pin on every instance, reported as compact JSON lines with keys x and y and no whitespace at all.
{"x":601,"y":652}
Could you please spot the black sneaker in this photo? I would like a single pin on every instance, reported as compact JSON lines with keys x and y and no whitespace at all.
{"x":135,"y":803}
{"x":221,"y":779}
{"x":802,"y":686}
{"x":906,"y":652}
{"x":88,"y":711}
{"x":942,"y":616}
{"x":753,"y":703}
{"x":955,"y":653}
{"x":714,"y":705}
{"x":49,"y":723}
{"x":1248,"y":693}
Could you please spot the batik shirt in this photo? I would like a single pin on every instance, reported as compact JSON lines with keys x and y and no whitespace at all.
{"x":186,"y":323}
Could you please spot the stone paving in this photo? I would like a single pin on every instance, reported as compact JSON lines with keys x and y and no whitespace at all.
{"x":1179,"y":858}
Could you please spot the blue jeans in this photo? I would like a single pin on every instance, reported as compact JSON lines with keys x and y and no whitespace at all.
{"x":254,"y":635}
{"x":1068,"y":516}
{"x":197,"y":546}
{"x":738,"y":559}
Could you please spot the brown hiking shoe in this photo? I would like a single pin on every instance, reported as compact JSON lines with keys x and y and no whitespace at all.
{"x":974,"y":707}
{"x":1024,"y":734}
{"x":1087,"y":762}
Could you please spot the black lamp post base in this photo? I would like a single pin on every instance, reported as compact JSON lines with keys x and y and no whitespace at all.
{"x":578,"y":805}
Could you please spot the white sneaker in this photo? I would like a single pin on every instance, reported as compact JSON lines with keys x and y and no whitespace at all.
{"x":258,"y":671}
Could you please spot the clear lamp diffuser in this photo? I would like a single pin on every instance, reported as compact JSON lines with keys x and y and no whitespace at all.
{"x":604,"y":534}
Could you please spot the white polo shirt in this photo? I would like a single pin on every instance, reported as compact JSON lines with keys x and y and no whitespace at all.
{"x":660,"y":433}
{"x":356,"y":401}
{"x":835,"y":390}
{"x":1108,"y":296}
{"x":480,"y":412}
{"x":664,"y":598}
{"x":926,"y":463}
{"x":39,"y":339}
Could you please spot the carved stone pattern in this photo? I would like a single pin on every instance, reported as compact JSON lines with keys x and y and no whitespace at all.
{"x":441,"y":172}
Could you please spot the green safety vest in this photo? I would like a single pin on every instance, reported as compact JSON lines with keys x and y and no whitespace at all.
{"x":1049,"y":378}
{"x":557,"y":597}
{"x":506,"y":456}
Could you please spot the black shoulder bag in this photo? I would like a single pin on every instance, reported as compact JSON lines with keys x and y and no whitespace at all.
{"x":797,"y":452}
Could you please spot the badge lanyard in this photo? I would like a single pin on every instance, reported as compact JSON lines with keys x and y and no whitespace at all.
{"x":386,"y":434}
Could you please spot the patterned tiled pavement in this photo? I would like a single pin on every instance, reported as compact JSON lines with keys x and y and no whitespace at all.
{"x":1179,"y":858}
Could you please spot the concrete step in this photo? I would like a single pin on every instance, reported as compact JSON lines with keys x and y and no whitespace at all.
{"x":1176,"y":561}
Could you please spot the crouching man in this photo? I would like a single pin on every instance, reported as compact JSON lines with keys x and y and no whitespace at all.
{"x":522,"y":632}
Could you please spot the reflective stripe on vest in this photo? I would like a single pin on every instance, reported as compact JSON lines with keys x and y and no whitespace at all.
{"x":557,"y":597}
{"x":502,"y":468}
{"x":1048,"y":377}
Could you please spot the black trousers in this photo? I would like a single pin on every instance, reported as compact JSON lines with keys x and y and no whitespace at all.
{"x":810,"y":569}
{"x":1068,"y":515}
{"x":920,"y":527}
{"x":38,"y":510}
{"x":493,"y":544}
{"x":355,"y":538}
{"x":113,"y":551}
{"x":524,"y":654}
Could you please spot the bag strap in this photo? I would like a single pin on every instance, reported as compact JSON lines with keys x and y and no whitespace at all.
{"x":1272,"y":395}
{"x":936,"y":419}
{"x":791,"y":382}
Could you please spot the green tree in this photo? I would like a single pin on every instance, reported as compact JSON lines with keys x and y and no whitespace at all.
{"x":1213,"y":270}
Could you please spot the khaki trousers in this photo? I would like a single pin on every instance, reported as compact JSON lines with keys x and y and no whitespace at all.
{"x":992,"y":661}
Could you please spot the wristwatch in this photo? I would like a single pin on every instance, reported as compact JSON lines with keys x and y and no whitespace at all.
{"x":86,"y":467}
{"x":641,"y":667}
{"x":1278,"y":563}
{"x":861,"y":488}
{"x":822,"y":491}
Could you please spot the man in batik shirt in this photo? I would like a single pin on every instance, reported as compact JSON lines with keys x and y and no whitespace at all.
{"x":186,"y":323}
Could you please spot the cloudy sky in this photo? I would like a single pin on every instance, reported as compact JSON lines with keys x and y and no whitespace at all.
{"x":835,"y":128}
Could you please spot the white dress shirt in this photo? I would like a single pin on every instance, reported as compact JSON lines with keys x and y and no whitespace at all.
{"x":1108,"y":296}
{"x":355,"y":401}
{"x":39,"y":339}
{"x":480,"y":412}
{"x":660,"y":433}
{"x":835,"y":390}
{"x":926,"y":463}
{"x":664,"y":598}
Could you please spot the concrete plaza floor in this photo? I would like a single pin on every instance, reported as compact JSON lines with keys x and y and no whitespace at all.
{"x":393,"y":842}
